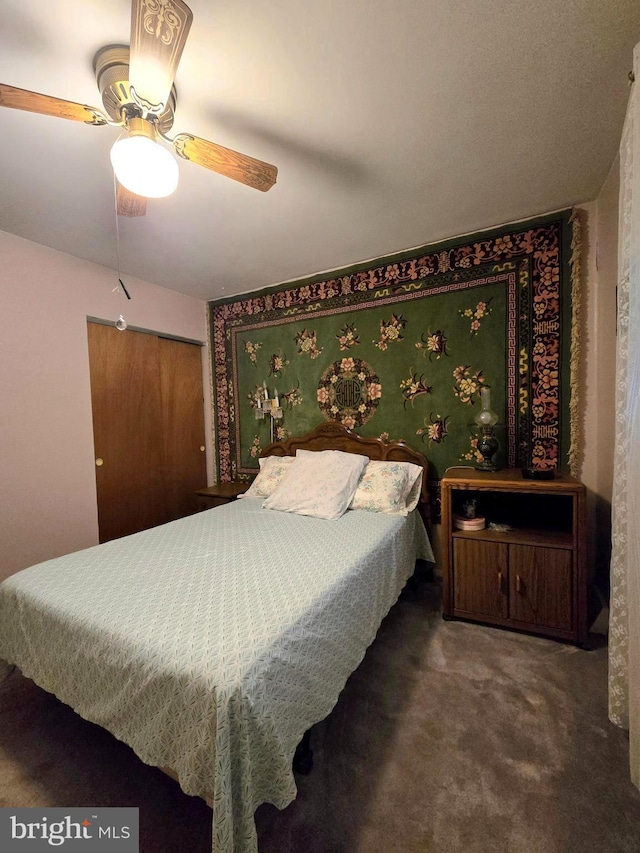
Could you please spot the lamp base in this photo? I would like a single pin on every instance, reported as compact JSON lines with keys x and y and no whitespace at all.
{"x":486,"y":466}
{"x":487,"y":447}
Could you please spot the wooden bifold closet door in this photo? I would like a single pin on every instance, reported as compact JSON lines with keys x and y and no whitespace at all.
{"x":148,"y":427}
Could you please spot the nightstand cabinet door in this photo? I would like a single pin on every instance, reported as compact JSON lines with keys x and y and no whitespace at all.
{"x":541,"y":586}
{"x":480,"y":577}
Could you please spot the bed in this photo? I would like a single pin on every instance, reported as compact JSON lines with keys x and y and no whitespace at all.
{"x":211,"y":644}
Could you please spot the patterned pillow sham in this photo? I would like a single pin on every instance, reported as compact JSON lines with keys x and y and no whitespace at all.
{"x":273,"y":470}
{"x":390,"y":487}
{"x":319,"y":483}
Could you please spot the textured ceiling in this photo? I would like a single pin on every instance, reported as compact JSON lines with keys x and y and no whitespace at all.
{"x":392,"y":122}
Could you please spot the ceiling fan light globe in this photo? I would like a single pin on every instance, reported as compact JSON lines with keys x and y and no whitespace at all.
{"x":144,"y":167}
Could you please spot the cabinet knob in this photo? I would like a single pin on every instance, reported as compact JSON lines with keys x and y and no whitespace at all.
{"x":519,"y":585}
{"x":99,"y":461}
{"x":500,"y":586}
{"x":202,"y":448}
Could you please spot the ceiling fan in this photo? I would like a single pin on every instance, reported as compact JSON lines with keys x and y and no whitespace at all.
{"x":138,"y":95}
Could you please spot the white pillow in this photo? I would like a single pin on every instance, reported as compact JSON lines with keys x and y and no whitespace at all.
{"x":415,"y":492}
{"x":390,"y":487}
{"x":272,"y":471}
{"x":320,"y":483}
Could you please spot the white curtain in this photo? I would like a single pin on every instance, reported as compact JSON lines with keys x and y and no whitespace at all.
{"x":624,"y":624}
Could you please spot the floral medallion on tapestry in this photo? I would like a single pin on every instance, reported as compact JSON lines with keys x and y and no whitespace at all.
{"x":349,"y":391}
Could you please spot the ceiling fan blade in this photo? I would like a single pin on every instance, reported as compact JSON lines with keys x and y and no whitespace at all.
{"x":159,"y":30}
{"x":33,"y":102}
{"x":254,"y":173}
{"x":128,"y":203}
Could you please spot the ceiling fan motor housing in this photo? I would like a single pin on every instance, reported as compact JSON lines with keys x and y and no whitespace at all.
{"x":111,"y":66}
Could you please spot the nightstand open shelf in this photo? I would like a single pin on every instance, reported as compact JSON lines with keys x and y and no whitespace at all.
{"x":520,"y":536}
{"x":530,"y":576}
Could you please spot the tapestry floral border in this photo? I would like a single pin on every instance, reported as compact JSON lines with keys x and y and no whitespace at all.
{"x":533,"y":253}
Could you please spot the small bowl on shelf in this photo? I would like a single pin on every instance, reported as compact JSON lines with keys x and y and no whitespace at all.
{"x":461,"y":522}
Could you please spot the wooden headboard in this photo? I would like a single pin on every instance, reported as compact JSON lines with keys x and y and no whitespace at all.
{"x":334,"y":436}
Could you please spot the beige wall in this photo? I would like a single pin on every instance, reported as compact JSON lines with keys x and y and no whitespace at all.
{"x":607,"y":266}
{"x":597,"y":385}
{"x":47,"y":474}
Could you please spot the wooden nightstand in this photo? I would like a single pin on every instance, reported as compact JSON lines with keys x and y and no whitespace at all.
{"x":219,"y":494}
{"x":532,"y":576}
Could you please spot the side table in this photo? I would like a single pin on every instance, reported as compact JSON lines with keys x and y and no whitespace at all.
{"x":219,"y":494}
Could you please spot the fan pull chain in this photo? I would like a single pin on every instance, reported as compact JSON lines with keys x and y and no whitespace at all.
{"x":121,"y":323}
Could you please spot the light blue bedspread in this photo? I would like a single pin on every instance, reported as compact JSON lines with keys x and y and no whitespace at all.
{"x":211,"y":644}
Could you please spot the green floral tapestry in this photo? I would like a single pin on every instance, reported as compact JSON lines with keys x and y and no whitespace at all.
{"x":402,"y":347}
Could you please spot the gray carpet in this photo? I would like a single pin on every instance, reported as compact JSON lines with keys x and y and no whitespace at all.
{"x":449,"y":737}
